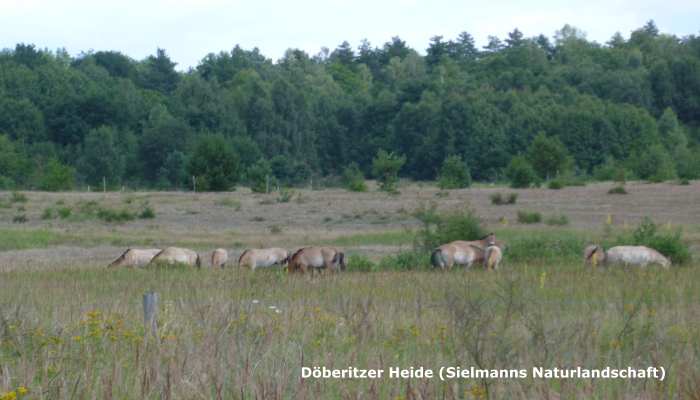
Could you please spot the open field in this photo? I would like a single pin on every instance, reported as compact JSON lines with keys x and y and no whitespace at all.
{"x":69,"y":328}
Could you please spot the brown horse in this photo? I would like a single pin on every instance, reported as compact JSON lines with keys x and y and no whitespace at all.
{"x":317,"y":259}
{"x":492,"y":257}
{"x":135,"y":258}
{"x":640,"y":256}
{"x":177,"y":255}
{"x":462,"y":252}
{"x":255,"y":258}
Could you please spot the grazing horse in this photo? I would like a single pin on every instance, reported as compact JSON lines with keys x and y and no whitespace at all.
{"x":462,"y":252}
{"x":254,"y":258}
{"x":640,"y":256}
{"x":134,"y":258}
{"x":317,"y":259}
{"x":219,"y":258}
{"x":492,"y":257}
{"x":177,"y":255}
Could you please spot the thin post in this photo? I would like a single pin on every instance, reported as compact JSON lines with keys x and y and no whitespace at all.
{"x":150,"y":313}
{"x":104,"y":185}
{"x":194,"y":184}
{"x":267,"y":183}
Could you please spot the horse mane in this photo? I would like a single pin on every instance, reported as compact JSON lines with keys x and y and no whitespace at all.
{"x":296,"y":253}
{"x":121,"y":257}
{"x":595,"y":250}
{"x":246,"y":251}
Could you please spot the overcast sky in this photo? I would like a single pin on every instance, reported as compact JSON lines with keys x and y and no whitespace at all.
{"x":189,"y":29}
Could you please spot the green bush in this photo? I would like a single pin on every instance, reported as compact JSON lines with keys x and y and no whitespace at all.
{"x":617,"y":190}
{"x":56,"y":177}
{"x":260,"y":176}
{"x":358,"y":262}
{"x":454,"y":174}
{"x":47,"y":213}
{"x":118,"y":216}
{"x":549,"y":246}
{"x":19,"y":219}
{"x":555,"y":184}
{"x":520,"y":173}
{"x":498,"y":198}
{"x":214,"y":163}
{"x":405,"y":260}
{"x":17,"y":197}
{"x":669,"y":244}
{"x":528,"y":217}
{"x":64,"y":212}
{"x":285,"y":196}
{"x":386,"y":167}
{"x":438,"y":229}
{"x":558,"y":220}
{"x":354,"y":179}
{"x":147,"y":213}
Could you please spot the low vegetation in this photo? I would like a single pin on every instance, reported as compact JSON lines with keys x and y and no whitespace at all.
{"x":500,"y":199}
{"x":619,"y":189}
{"x":529,"y":217}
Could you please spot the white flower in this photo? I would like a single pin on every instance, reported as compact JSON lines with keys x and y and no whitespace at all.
{"x":256,"y":301}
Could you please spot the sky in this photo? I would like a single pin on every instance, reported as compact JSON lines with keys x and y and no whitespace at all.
{"x":190,"y":29}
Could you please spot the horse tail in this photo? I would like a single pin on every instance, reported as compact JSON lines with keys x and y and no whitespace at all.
{"x":339,"y":259}
{"x":436,"y":259}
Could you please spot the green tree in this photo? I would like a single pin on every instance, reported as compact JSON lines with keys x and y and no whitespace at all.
{"x":56,"y":176}
{"x":520,"y":173}
{"x":100,"y":157}
{"x":354,"y":179}
{"x":548,"y":156}
{"x":214,"y":163}
{"x":386,"y":167}
{"x":259,"y":176}
{"x":454,"y":173}
{"x":654,"y":164}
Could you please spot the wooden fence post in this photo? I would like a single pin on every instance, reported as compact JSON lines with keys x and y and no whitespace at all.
{"x":150,"y":313}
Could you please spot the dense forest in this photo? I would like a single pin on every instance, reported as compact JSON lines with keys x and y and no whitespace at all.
{"x":560,"y":105}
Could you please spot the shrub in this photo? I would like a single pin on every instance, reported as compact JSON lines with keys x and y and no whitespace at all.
{"x":520,"y":173}
{"x":285,"y":196}
{"x":498,"y":199}
{"x":56,"y":177}
{"x":63,"y":212}
{"x":354,"y":179}
{"x":555,"y":184}
{"x":548,"y":246}
{"x":528,"y":217}
{"x":19,"y":219}
{"x":47,"y":213}
{"x":684,"y":182}
{"x":275,"y":229}
{"x":357,"y":262}
{"x":443,"y":228}
{"x":405,"y":260}
{"x":670,"y":244}
{"x":118,"y":216}
{"x":386,"y":167}
{"x":214,"y":163}
{"x":619,"y":189}
{"x":147,"y":213}
{"x":454,"y":174}
{"x":558,"y":220}
{"x":259,"y":176}
{"x":17,"y":197}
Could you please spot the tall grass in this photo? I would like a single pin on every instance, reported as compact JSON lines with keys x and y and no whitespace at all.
{"x":236,"y":334}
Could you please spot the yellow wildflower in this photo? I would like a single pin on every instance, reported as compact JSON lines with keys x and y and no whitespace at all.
{"x":22,"y":390}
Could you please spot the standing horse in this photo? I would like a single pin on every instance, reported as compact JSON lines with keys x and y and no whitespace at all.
{"x":492,"y":257}
{"x":134,"y":258}
{"x":462,"y":252}
{"x":317,"y":259}
{"x":254,"y":258}
{"x":219,"y":258}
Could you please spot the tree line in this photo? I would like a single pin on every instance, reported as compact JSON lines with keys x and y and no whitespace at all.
{"x":520,"y":109}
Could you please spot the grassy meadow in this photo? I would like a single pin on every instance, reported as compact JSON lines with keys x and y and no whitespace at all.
{"x":70,"y":328}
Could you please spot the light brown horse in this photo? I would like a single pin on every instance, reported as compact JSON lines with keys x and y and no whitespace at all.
{"x":219,"y":258}
{"x":177,"y":255}
{"x":134,"y":258}
{"x":492,"y":257}
{"x":462,"y":252}
{"x":640,"y":256}
{"x":317,"y":259}
{"x":255,"y":258}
